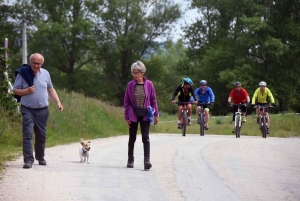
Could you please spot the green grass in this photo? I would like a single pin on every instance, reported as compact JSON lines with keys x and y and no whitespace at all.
{"x":281,"y":126}
{"x":90,"y":118}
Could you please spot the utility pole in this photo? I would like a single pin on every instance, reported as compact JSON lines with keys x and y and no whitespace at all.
{"x":6,"y":46}
{"x":24,"y":43}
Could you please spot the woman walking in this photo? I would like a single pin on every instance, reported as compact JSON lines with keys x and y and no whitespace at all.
{"x":139,"y":107}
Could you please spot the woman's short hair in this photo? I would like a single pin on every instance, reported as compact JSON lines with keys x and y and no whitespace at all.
{"x":139,"y":66}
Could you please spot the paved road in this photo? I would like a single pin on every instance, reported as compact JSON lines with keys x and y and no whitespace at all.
{"x":188,"y":168}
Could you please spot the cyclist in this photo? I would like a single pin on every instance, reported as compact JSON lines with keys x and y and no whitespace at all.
{"x":184,"y":92}
{"x":238,"y":95}
{"x":261,"y":94}
{"x":204,"y":95}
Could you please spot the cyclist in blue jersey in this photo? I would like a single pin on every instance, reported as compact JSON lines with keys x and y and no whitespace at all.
{"x":184,"y":92}
{"x":204,"y":94}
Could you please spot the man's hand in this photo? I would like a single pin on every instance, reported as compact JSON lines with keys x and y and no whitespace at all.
{"x":60,"y":107}
{"x":30,"y":90}
{"x":173,"y":101}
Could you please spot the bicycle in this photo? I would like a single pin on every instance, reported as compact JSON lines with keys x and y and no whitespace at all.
{"x":238,"y":119}
{"x":184,"y":117}
{"x":263,"y":125}
{"x":201,"y":117}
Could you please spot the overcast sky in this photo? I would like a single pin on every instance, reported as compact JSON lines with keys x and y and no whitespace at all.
{"x":188,"y":17}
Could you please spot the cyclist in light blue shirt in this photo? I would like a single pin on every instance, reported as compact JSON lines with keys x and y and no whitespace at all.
{"x":204,"y":94}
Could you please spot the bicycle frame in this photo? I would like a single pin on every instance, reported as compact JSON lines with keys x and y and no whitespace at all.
{"x":184,"y":117}
{"x":201,"y":116}
{"x":238,"y":120}
{"x":263,"y":119}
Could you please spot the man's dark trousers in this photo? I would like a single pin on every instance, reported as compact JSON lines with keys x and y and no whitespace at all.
{"x":34,"y":120}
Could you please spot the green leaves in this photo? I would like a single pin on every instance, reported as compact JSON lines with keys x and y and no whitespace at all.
{"x":6,"y":93}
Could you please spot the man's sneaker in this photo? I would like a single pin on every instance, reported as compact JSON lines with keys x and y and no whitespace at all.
{"x":198,"y":120}
{"x":42,"y":161}
{"x":189,"y":122}
{"x":233,"y":131}
{"x":258,"y":120}
{"x":27,"y":165}
{"x":244,"y":119}
{"x":179,"y":126}
{"x":268,"y":130}
{"x":206,"y":127}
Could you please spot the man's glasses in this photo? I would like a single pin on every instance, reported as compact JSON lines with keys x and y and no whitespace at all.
{"x":38,"y":64}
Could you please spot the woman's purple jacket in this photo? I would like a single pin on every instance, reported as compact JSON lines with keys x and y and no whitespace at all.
{"x":129,"y":101}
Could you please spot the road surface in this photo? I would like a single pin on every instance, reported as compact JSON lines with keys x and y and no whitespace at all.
{"x":193,"y":167}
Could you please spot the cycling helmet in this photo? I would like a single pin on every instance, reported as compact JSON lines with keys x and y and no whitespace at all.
{"x":187,"y":80}
{"x":237,"y":84}
{"x":262,"y":84}
{"x":203,"y":82}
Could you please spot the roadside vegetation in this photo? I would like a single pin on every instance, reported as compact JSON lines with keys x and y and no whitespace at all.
{"x":90,"y":118}
{"x":282,"y":125}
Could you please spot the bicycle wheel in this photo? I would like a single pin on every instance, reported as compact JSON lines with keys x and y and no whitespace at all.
{"x":202,"y":123}
{"x":264,"y":127}
{"x":184,"y":119}
{"x":237,"y":126}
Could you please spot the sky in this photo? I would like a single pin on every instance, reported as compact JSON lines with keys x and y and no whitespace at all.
{"x":189,"y":17}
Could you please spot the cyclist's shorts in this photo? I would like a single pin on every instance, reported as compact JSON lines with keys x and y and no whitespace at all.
{"x":235,"y":108}
{"x":181,"y":104}
{"x":205,"y":107}
{"x":266,"y":109}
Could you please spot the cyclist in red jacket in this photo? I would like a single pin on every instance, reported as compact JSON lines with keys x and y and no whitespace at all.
{"x":236,"y":96}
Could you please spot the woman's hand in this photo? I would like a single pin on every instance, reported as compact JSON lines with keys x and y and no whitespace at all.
{"x":155,"y":120}
{"x":128,"y":123}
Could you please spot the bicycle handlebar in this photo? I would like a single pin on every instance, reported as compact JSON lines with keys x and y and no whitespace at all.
{"x":245,"y":104}
{"x":185,"y":103}
{"x":263,"y":106}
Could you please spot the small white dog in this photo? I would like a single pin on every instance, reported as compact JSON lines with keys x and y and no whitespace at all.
{"x":84,"y":151}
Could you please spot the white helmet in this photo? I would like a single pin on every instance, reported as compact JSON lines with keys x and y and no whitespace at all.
{"x":262,"y":84}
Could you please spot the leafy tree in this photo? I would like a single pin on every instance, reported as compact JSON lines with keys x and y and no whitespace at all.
{"x":126,"y":31}
{"x":61,"y":31}
{"x":8,"y":30}
{"x":166,"y":78}
{"x":244,"y":41}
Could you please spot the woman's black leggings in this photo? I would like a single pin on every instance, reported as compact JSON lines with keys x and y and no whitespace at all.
{"x":145,"y":128}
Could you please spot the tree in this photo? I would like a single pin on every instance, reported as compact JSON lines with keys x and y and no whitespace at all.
{"x":126,"y":31}
{"x":248,"y":41}
{"x":61,"y":31}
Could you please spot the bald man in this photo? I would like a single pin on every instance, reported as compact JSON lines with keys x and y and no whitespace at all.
{"x":33,"y":83}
